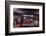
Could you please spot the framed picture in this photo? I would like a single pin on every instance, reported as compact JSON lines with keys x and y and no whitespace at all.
{"x":24,"y":17}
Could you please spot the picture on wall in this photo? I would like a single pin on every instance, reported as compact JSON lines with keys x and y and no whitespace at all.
{"x":24,"y":17}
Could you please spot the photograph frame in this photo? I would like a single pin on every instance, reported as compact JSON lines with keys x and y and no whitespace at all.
{"x":7,"y":4}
